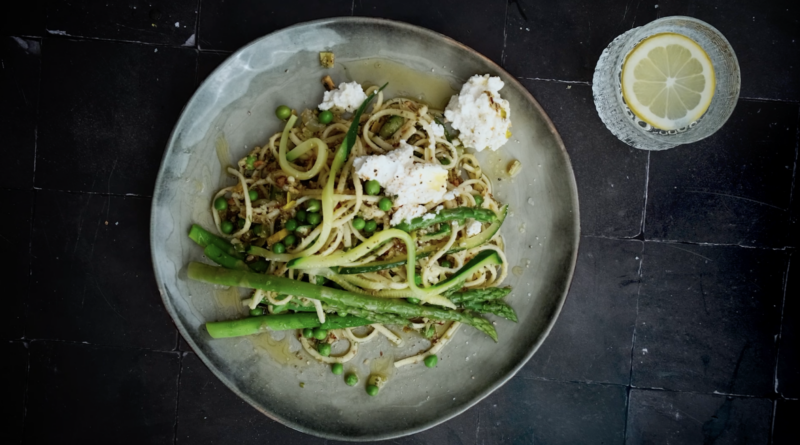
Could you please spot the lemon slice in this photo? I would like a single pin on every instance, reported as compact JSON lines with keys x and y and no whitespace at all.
{"x":668,"y":81}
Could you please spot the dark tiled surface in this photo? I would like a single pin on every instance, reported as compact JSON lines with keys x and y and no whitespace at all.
{"x":563,"y":40}
{"x":785,"y":430}
{"x":732,"y":188}
{"x":764,"y":35}
{"x":19,"y":94}
{"x":113,"y":142}
{"x":13,"y":368}
{"x":91,"y":115}
{"x":475,"y":23}
{"x":79,"y":393}
{"x":789,"y":353}
{"x":208,"y":412}
{"x":708,"y":318}
{"x":610,"y":175}
{"x":91,"y":261}
{"x":16,"y":273}
{"x":159,"y":21}
{"x":686,"y":418}
{"x":230,"y":25}
{"x":535,"y":411}
{"x":592,"y":339}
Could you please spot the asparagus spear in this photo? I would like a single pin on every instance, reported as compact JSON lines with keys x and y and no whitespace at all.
{"x":498,"y":308}
{"x":457,"y":214}
{"x":345,"y":310}
{"x":337,"y":298}
{"x":203,"y":237}
{"x":255,"y":325}
{"x":479,"y":295}
{"x":216,"y":255}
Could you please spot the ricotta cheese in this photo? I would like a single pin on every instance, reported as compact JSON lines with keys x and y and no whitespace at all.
{"x":473,"y":228}
{"x":348,"y":97}
{"x":413,"y":184}
{"x":478,"y":112}
{"x":437,"y":130}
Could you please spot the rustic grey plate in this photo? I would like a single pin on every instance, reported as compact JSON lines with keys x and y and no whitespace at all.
{"x":238,"y":101}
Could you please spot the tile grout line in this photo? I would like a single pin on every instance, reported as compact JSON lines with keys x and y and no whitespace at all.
{"x":771,"y":434}
{"x":505,"y":36}
{"x":27,"y":385}
{"x":775,"y":381}
{"x":569,"y":82}
{"x":646,"y":189}
{"x":794,"y":167}
{"x":74,"y":38}
{"x":86,"y":192}
{"x":197,"y":33}
{"x":96,"y":345}
{"x":633,"y":343}
{"x":353,"y":8}
{"x":177,"y":398}
{"x":627,"y":414}
{"x":692,"y":243}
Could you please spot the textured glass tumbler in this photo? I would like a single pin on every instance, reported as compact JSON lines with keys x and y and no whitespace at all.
{"x":626,"y":126}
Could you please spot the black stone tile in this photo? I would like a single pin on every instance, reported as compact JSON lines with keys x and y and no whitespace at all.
{"x":764,"y":35}
{"x":15,"y":239}
{"x":475,"y":23}
{"x":91,"y":265}
{"x":88,"y":394}
{"x":19,"y":96}
{"x":563,"y":40}
{"x":152,"y":21}
{"x":14,"y":369}
{"x":785,"y":430}
{"x":208,"y":412}
{"x":528,"y":411}
{"x":22,"y":18}
{"x":107,"y":110}
{"x":610,"y":175}
{"x":788,"y":375}
{"x":732,"y":188}
{"x":230,"y":25}
{"x":207,"y":62}
{"x":687,"y":418}
{"x":708,"y":318}
{"x":593,"y":336}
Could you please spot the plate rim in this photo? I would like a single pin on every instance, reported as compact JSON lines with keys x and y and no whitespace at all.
{"x":502,"y":380}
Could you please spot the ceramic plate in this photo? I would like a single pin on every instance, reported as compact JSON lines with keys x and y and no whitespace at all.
{"x":237,"y":101}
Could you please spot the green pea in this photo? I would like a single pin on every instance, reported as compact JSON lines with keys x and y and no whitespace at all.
{"x":314,"y":218}
{"x":446,"y":263}
{"x":372,"y":390}
{"x":257,"y":311}
{"x":253,"y":195}
{"x":320,"y":334}
{"x":358,"y":223}
{"x":351,"y":380}
{"x":412,"y":300}
{"x":289,"y":240}
{"x":372,"y":187}
{"x":325,"y":117}
{"x":220,"y":203}
{"x":240,"y":222}
{"x":278,"y":248}
{"x":308,"y":333}
{"x":291,"y":225}
{"x":337,"y":368}
{"x":283,"y":112}
{"x":324,"y":349}
{"x":478,"y":200}
{"x":250,"y":162}
{"x":257,"y":229}
{"x":301,"y":215}
{"x":314,"y":205}
{"x":370,"y":225}
{"x":226,"y":226}
{"x":385,"y":204}
{"x":417,"y":279}
{"x":431,"y":361}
